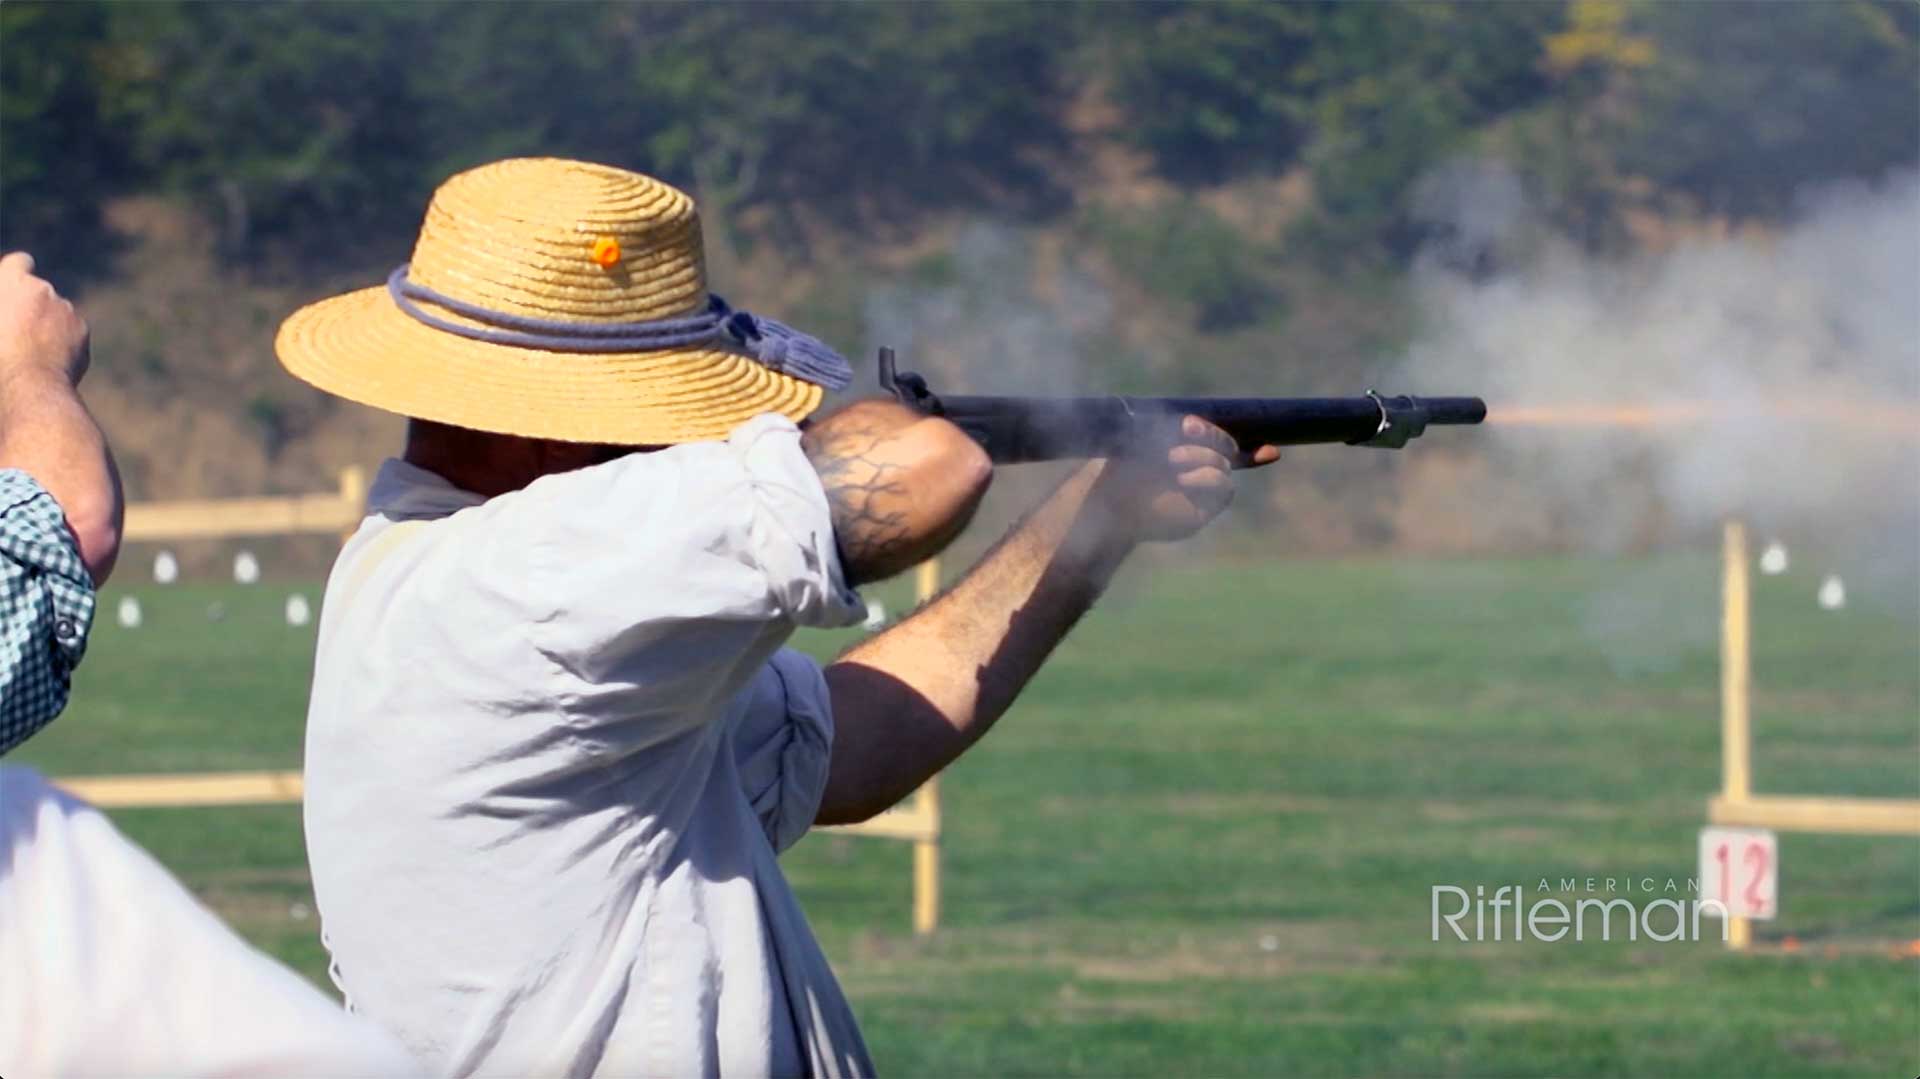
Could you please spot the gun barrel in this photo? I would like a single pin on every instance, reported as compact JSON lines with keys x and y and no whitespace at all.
{"x":1015,"y":429}
{"x":1305,"y":421}
{"x":1454,"y":411}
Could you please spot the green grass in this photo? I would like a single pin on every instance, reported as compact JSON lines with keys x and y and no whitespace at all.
{"x":1203,"y":842}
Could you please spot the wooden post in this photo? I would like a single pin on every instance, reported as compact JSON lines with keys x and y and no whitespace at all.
{"x":1736,"y":681}
{"x":926,"y":850}
{"x":926,"y":861}
{"x":353,"y":495}
{"x":926,"y":580}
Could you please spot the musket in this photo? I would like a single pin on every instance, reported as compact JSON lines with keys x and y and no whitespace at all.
{"x":1016,"y":429}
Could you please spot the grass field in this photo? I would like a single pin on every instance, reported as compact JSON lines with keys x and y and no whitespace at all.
{"x":1204,"y":841}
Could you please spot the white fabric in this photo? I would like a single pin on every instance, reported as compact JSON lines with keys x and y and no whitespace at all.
{"x":109,"y":967}
{"x":552,"y":749}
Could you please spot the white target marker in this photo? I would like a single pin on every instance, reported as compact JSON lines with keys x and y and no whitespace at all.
{"x":1773,"y":560}
{"x":166,"y":568}
{"x":130,"y":612}
{"x":876,"y":616}
{"x":298,"y":613}
{"x":246,"y":568}
{"x":1833,"y":593}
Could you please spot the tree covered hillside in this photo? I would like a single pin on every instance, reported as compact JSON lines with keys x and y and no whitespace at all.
{"x":1160,"y":196}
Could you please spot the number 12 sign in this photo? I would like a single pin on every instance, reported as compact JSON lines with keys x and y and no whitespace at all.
{"x":1740,"y":867}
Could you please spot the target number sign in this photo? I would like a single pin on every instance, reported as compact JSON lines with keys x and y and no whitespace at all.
{"x":1740,"y":867}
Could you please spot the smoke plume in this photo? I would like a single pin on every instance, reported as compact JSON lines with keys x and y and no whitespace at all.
{"x":995,"y":317}
{"x":1769,"y":376}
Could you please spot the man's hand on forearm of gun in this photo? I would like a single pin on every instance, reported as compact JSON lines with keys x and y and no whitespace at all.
{"x":908,"y":701}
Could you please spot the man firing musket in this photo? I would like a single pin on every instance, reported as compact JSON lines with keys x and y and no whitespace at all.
{"x":555,"y":744}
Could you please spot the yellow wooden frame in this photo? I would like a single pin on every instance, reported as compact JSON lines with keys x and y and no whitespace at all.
{"x":1736,"y":803}
{"x":338,"y":513}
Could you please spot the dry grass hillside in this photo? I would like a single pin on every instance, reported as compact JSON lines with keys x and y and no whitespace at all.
{"x":184,"y":378}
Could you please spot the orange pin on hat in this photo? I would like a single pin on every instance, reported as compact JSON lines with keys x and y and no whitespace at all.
{"x":606,"y":252}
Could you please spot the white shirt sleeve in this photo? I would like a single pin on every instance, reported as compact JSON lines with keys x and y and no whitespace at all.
{"x":741,"y":528}
{"x":660,"y":582}
{"x":112,"y":968}
{"x":782,"y":743}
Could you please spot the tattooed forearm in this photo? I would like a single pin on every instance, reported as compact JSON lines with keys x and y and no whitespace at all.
{"x":898,"y":485}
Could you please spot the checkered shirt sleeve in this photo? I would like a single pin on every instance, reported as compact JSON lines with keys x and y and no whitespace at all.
{"x":46,"y":607}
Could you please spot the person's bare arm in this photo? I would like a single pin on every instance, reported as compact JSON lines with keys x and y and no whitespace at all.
{"x":908,"y":701}
{"x":45,"y":429}
{"x":899,"y":485}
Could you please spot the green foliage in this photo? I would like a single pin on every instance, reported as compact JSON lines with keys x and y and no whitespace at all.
{"x":1216,"y":89}
{"x":303,"y":119}
{"x":834,"y":108}
{"x":1370,"y":96}
{"x":1187,"y":254}
{"x":1403,"y":87}
{"x":521,"y":79}
{"x":56,"y":161}
{"x":1749,"y":102}
{"x":323,"y":122}
{"x":278,"y":116}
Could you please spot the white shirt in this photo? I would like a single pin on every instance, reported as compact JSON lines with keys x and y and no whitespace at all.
{"x":109,"y":967}
{"x":552,"y":750}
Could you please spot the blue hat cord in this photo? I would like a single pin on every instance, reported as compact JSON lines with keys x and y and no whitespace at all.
{"x":772,"y":344}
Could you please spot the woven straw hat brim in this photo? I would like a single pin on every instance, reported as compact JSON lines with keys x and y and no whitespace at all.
{"x":362,"y":347}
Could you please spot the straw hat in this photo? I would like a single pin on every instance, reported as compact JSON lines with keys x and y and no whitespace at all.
{"x":563,"y":300}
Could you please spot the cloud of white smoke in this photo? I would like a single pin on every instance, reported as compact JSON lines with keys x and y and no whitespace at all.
{"x":1001,"y":319}
{"x":1791,"y":359}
